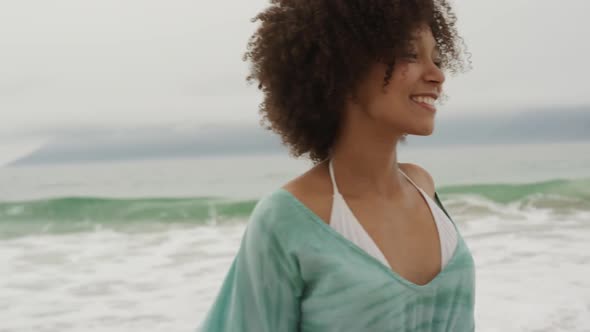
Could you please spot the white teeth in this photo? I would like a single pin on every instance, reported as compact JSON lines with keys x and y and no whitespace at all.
{"x":422,"y":99}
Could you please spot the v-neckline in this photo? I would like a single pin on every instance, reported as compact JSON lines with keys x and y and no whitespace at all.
{"x":318,"y":221}
{"x":424,"y":197}
{"x":370,"y":238}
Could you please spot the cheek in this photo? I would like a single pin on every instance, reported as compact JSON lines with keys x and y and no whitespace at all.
{"x":397,"y":94}
{"x":405,"y":77}
{"x":395,"y":99}
{"x":391,"y":105}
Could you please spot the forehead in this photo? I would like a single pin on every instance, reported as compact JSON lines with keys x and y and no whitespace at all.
{"x":422,"y":36}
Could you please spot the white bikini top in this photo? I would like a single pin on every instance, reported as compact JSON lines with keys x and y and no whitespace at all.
{"x":344,"y":222}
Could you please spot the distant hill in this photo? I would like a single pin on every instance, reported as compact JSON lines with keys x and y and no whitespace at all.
{"x":531,"y":126}
{"x":151,"y":143}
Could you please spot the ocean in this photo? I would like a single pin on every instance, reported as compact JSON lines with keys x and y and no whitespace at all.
{"x":144,"y":245}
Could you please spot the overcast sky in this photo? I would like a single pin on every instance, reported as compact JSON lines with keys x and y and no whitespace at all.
{"x":76,"y":63}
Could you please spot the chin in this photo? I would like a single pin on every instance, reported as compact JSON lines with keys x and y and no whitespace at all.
{"x":423,"y":134}
{"x":427,"y":131}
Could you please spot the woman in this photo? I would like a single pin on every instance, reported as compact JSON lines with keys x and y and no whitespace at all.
{"x":359,"y":242}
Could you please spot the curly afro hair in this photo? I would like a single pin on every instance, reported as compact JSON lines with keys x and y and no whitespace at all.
{"x":309,"y":55}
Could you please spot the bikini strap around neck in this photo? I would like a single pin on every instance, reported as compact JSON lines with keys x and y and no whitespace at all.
{"x":407,"y":177}
{"x":334,"y":186}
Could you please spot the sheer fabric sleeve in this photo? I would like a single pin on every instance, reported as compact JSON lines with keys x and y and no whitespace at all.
{"x":262,"y":288}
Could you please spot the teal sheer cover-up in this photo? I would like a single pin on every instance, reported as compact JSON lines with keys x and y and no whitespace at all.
{"x":293,"y":272}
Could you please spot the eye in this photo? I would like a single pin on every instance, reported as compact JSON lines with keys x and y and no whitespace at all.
{"x":411,"y":56}
{"x":438,"y":60}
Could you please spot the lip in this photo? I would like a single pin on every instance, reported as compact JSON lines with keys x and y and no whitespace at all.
{"x":428,"y":107}
{"x":426,"y":94}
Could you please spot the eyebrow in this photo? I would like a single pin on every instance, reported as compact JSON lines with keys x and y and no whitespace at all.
{"x":435,"y":49}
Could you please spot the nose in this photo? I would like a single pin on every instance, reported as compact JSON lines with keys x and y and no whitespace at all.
{"x":434,"y":74}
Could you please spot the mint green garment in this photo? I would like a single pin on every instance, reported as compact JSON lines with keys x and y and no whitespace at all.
{"x":293,"y":272}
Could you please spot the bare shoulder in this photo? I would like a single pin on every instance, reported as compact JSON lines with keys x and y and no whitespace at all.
{"x":314,"y":189}
{"x":420,"y":176}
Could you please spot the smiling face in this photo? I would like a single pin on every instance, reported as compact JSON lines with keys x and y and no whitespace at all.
{"x":405,"y":104}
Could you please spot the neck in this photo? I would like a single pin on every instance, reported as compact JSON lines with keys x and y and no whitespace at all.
{"x":365,"y":162}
